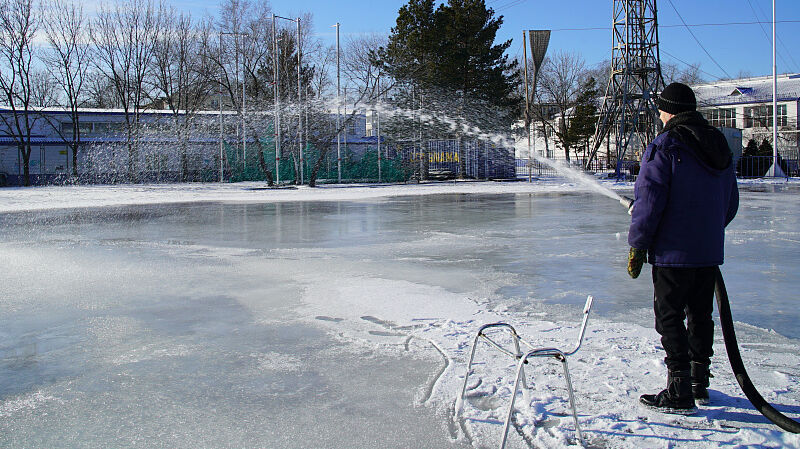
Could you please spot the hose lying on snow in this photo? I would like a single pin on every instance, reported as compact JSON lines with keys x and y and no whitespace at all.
{"x":724,"y":307}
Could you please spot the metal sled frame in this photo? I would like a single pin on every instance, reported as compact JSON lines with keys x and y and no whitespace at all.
{"x":522,"y":360}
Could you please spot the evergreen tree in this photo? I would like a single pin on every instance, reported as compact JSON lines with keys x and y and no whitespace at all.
{"x":583,"y":122}
{"x":452,"y":49}
{"x":751,"y":149}
{"x":765,"y":149}
{"x":468,"y":59}
{"x":409,"y":55}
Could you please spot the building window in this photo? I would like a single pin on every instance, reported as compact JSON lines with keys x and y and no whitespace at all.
{"x":761,"y":116}
{"x":85,"y":127}
{"x":721,"y":117}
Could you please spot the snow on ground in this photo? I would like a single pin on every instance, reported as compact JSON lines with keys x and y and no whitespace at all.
{"x":49,"y":197}
{"x":15,"y":199}
{"x":618,"y":361}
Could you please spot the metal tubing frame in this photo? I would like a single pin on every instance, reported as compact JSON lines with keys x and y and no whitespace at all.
{"x":518,"y":354}
{"x":522,"y":361}
{"x":543,"y":352}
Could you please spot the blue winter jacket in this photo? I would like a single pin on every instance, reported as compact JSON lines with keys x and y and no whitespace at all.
{"x":685,"y":195}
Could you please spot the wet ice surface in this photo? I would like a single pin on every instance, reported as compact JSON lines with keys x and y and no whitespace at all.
{"x":171,"y":327}
{"x":345,"y":324}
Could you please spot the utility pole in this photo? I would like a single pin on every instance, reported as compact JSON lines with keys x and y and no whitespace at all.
{"x":276,"y":90}
{"x":344,"y":114}
{"x":299,"y":103}
{"x":378,"y":118}
{"x":775,"y":166}
{"x":244,"y":122}
{"x":221,"y":143}
{"x":539,"y":41}
{"x":527,"y":106}
{"x":219,"y":96}
{"x":338,"y":106}
{"x":305,"y":108}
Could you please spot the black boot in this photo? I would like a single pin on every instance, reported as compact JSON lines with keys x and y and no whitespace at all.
{"x":700,"y":375}
{"x":676,"y":398}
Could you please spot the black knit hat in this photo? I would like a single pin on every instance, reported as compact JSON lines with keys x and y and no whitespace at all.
{"x":677,"y":98}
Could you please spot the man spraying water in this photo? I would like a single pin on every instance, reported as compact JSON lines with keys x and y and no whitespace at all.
{"x":685,"y":196}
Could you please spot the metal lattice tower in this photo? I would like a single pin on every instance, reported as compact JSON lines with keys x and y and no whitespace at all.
{"x":629,"y":107}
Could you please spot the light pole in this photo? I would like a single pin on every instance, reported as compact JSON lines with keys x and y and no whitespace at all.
{"x":378,"y":118}
{"x":338,"y":101}
{"x":222,"y":70}
{"x":299,"y":102}
{"x":219,"y":99}
{"x":277,"y":98}
{"x":775,"y":166}
{"x":277,"y":119}
{"x":527,"y":106}
{"x":244,"y":97}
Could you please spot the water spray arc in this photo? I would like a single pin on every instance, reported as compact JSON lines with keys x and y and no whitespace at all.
{"x":629,"y":107}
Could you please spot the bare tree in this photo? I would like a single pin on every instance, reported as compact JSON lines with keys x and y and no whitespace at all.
{"x":44,"y":90}
{"x":180,"y":75}
{"x":560,"y":84}
{"x":240,"y":55}
{"x":67,"y":60}
{"x":360,"y":66}
{"x":99,"y":91}
{"x":125,"y":37}
{"x":18,"y":27}
{"x":688,"y":75}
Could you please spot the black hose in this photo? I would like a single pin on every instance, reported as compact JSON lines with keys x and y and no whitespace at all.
{"x":724,"y":307}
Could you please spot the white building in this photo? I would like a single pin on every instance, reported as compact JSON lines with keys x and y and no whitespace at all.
{"x":746,"y":104}
{"x":740,"y":107}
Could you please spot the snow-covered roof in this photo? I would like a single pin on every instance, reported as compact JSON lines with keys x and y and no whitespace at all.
{"x":747,"y":90}
{"x":56,"y":110}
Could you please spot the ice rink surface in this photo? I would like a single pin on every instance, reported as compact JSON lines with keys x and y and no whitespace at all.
{"x":222,"y":316}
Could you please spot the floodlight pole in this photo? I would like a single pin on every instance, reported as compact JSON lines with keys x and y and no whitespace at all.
{"x":244,"y":122}
{"x":221,"y":144}
{"x":338,"y":106}
{"x":527,"y":106}
{"x":277,"y":99}
{"x":221,"y":140}
{"x":305,"y":109}
{"x":299,"y":102}
{"x":378,"y":118}
{"x":774,"y":98}
{"x":276,"y":90}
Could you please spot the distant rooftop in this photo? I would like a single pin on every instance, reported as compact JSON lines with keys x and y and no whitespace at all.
{"x":747,"y":90}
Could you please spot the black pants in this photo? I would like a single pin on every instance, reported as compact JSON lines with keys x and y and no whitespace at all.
{"x":685,"y":294}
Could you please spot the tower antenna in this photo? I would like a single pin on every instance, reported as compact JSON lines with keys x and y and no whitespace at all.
{"x":629,"y":108}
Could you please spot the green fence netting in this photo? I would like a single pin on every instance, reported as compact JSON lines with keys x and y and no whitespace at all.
{"x":246,"y":164}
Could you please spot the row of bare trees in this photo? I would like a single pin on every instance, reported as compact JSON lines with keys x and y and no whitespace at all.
{"x":140,"y":55}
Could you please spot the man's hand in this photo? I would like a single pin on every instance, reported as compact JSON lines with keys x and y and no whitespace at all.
{"x":636,"y":258}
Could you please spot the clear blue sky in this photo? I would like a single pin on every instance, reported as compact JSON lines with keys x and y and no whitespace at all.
{"x":738,"y":49}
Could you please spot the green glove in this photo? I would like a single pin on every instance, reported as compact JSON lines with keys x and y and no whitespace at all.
{"x":636,"y":258}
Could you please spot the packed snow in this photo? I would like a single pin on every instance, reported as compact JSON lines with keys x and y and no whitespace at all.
{"x":186,"y":335}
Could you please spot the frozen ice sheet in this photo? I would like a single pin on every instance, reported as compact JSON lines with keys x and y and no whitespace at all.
{"x":345,"y":324}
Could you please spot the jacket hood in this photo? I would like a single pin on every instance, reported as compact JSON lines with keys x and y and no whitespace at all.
{"x":708,"y":143}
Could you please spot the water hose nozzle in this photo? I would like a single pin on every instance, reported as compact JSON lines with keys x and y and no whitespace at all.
{"x":627,"y":202}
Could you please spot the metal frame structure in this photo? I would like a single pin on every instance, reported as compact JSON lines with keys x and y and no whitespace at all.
{"x":522,"y":360}
{"x":539,"y":40}
{"x":629,"y":105}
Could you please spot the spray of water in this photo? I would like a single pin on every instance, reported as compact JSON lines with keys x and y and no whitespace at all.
{"x":499,"y":139}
